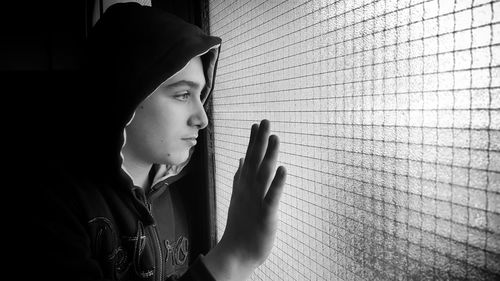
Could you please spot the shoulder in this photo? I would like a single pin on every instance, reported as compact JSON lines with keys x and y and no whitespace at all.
{"x":64,"y":197}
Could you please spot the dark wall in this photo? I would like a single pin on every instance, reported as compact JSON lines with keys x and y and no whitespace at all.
{"x":41,"y":35}
{"x":39,"y":60}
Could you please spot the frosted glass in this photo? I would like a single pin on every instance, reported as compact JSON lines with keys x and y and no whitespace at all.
{"x":389,"y":117}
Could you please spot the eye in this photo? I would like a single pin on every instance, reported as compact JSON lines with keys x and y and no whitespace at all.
{"x":184,"y":96}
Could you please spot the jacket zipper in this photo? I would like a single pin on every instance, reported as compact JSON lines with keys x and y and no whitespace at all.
{"x":159,"y":252}
{"x":156,"y":244}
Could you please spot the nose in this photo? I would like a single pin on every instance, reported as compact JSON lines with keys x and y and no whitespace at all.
{"x":198,"y":117}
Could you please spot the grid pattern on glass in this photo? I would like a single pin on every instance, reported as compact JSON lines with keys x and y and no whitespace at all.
{"x":389,"y":117}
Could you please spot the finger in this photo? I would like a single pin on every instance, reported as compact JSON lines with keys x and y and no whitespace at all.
{"x":253,"y":136}
{"x":273,"y":196}
{"x":258,"y":148}
{"x":267,"y":167}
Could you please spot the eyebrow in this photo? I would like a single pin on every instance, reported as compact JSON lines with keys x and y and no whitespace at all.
{"x":188,"y":83}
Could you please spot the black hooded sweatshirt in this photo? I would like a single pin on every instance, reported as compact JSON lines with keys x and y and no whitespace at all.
{"x":89,"y":220}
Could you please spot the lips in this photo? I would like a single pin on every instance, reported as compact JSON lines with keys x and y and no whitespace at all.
{"x":191,"y":140}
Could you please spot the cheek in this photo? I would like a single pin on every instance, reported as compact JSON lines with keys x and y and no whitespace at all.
{"x":167,"y":140}
{"x":158,"y":129}
{"x":153,"y":123}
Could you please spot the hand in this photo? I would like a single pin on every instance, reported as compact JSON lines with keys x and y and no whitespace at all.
{"x":252,"y":217}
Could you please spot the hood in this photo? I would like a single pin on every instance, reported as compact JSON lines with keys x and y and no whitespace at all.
{"x":131,"y":50}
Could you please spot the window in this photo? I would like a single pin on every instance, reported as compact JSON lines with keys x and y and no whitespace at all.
{"x":389,"y":117}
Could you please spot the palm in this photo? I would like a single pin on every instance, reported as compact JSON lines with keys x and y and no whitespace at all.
{"x":252,"y":218}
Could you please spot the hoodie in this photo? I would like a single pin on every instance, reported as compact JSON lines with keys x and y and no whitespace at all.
{"x":93,"y":222}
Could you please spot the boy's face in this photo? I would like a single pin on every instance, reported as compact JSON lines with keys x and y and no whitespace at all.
{"x":166,"y":124}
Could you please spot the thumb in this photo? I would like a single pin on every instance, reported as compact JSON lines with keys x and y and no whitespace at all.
{"x":238,"y":172}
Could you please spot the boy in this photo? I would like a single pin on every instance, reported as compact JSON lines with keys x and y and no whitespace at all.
{"x":112,"y":215}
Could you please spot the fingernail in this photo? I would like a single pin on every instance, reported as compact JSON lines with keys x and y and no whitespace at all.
{"x":273,"y":139}
{"x":282,"y":171}
{"x":265,"y":123}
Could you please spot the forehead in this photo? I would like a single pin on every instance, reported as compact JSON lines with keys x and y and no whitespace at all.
{"x":192,"y":72}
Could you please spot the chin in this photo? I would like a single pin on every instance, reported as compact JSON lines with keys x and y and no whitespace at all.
{"x":177,"y":158}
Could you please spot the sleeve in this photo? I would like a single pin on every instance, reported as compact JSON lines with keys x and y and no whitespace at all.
{"x":196,"y":272}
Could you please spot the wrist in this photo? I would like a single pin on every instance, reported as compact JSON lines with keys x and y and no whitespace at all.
{"x":226,"y":264}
